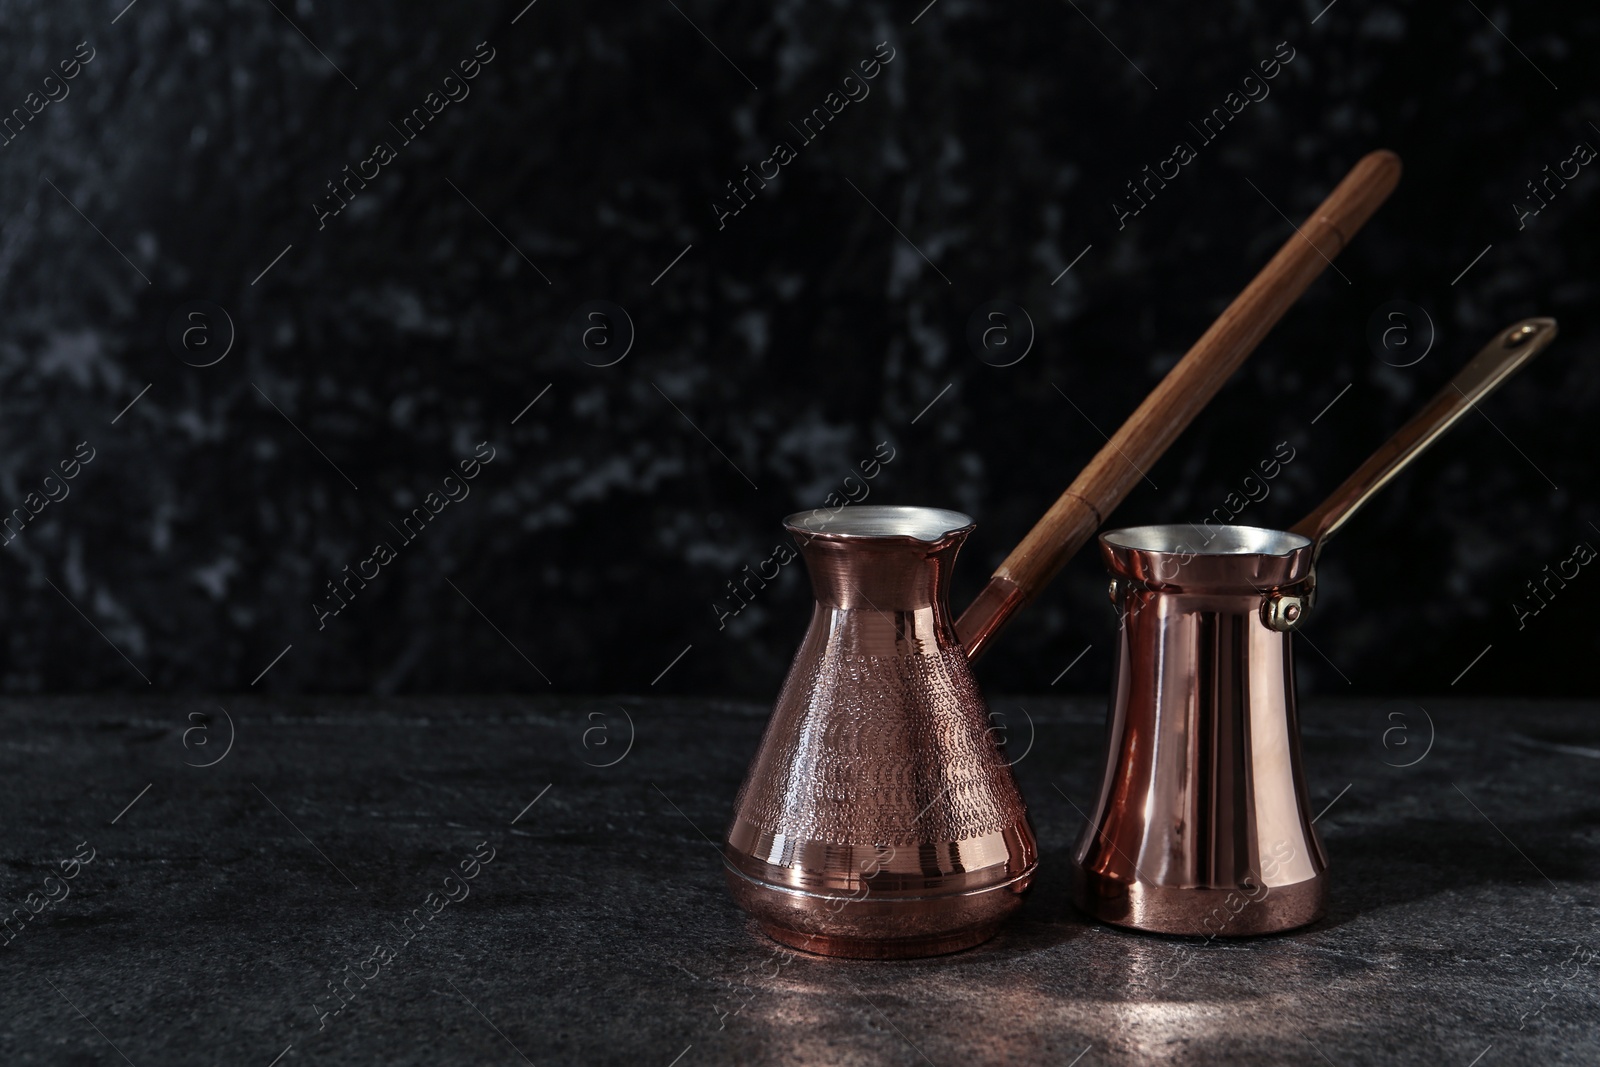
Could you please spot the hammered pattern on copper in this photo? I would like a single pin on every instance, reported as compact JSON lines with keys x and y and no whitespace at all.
{"x":890,"y":750}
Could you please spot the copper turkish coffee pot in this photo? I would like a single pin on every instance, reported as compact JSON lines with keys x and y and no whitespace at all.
{"x":879,"y":817}
{"x":1202,"y":825}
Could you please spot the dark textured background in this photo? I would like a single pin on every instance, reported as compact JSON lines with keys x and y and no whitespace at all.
{"x":601,"y":536}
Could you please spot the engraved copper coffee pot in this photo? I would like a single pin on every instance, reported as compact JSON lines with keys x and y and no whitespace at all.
{"x":1202,"y":824}
{"x":879,"y":817}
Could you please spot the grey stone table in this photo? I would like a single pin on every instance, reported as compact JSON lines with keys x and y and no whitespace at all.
{"x":554,"y":858}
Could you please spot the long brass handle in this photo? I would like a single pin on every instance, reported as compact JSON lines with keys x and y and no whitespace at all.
{"x":1499,"y":360}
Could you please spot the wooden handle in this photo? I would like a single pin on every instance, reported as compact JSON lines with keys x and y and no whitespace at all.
{"x":1186,"y":389}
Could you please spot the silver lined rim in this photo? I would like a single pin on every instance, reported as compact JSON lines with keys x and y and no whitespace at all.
{"x":880,"y":520}
{"x":1186,"y":538}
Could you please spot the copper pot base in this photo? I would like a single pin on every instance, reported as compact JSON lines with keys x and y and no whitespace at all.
{"x":1242,"y":911}
{"x":877,"y":927}
{"x":853,"y":948}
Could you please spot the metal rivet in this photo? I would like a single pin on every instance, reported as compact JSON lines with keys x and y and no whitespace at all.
{"x":1283,"y":612}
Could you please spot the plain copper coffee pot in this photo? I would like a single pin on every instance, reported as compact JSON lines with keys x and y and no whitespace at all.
{"x":879,"y":817}
{"x":1202,"y":825}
